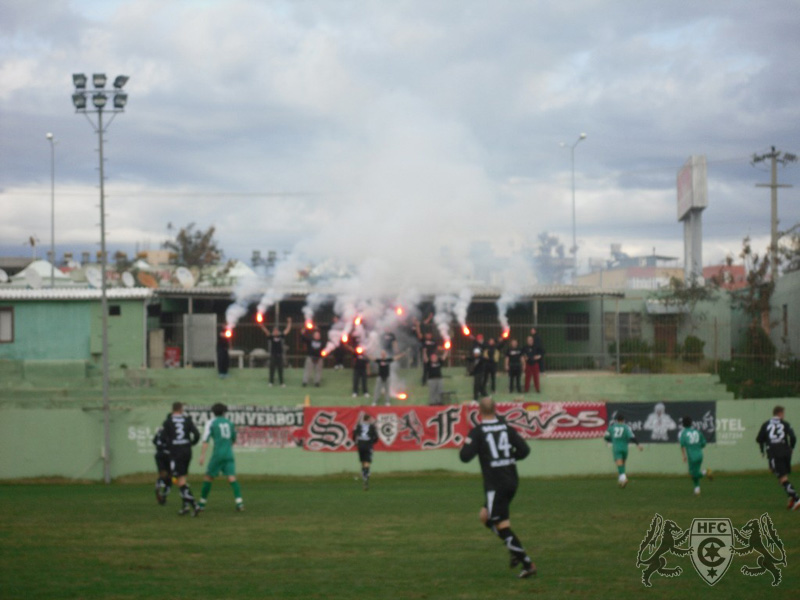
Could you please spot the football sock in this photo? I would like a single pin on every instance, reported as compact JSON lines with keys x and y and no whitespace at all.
{"x":696,"y":481}
{"x":513,"y":544}
{"x":621,"y":469}
{"x":790,"y":491}
{"x":237,"y":491}
{"x":186,"y":495}
{"x":204,"y":491}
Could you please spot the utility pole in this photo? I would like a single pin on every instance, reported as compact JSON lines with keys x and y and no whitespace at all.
{"x":775,"y":157}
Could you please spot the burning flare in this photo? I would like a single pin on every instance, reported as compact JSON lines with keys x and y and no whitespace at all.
{"x":309,"y":324}
{"x":399,"y":311}
{"x":357,"y":320}
{"x":506,"y":333}
{"x":228,"y":333}
{"x":402,"y":396}
{"x":345,"y":338}
{"x":324,"y":353}
{"x":259,"y":317}
{"x":447,"y":344}
{"x":359,"y":350}
{"x":466,"y":330}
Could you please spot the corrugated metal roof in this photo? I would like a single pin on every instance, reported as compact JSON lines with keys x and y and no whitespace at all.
{"x":74,"y":294}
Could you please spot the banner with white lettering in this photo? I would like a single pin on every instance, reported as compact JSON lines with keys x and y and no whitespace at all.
{"x":433,"y":427}
{"x":257,"y":426}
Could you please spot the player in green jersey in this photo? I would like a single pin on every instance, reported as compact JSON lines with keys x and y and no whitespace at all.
{"x":619,"y":435}
{"x":222,"y":431}
{"x":692,"y":443}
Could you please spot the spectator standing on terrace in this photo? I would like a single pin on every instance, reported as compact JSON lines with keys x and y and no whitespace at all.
{"x":277,"y":345}
{"x":314,"y":358}
{"x":223,"y":354}
{"x":514,"y":367}
{"x":533,"y":351}
{"x":435,"y":387}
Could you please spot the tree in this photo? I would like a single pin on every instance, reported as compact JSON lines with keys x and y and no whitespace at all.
{"x":194,"y":248}
{"x":790,"y":251}
{"x":755,"y":298}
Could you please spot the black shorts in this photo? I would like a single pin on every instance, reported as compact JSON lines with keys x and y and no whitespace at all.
{"x":181,"y":457}
{"x":365,"y":453}
{"x":162,"y":462}
{"x":498,"y":503}
{"x":780,"y":465}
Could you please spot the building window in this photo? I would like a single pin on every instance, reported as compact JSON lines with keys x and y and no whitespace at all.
{"x":114,"y":310}
{"x":6,"y":325}
{"x":630,"y":326}
{"x":578,"y":327}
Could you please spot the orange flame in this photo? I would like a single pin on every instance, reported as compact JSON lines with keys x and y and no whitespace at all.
{"x":324,"y":353}
{"x":466,"y":330}
{"x":447,"y":344}
{"x":345,"y":338}
{"x":259,"y":317}
{"x":357,"y":320}
{"x":228,"y":333}
{"x":359,"y":350}
{"x":506,"y":333}
{"x":399,"y":311}
{"x":402,"y":396}
{"x":309,"y":324}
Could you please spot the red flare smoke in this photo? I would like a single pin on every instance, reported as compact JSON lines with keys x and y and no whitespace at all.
{"x":466,"y":330}
{"x":259,"y":317}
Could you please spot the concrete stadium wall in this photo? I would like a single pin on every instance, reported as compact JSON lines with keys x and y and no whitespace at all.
{"x":68,"y":443}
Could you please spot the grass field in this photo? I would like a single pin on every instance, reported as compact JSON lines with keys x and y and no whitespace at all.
{"x":409,"y":537}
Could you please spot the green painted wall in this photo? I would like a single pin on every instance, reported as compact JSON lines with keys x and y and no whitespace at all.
{"x":48,"y":331}
{"x":67,"y":443}
{"x":71,"y":331}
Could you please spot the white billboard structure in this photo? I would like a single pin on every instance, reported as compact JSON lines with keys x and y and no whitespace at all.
{"x":692,"y":200}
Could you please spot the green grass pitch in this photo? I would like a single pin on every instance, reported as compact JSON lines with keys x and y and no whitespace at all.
{"x":409,"y":537}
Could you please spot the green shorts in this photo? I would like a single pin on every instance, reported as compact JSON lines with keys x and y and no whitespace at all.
{"x":620,"y":455}
{"x":226,"y":465}
{"x":695,"y":468}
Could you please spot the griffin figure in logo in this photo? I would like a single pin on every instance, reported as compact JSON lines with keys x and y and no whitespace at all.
{"x":662,"y":538}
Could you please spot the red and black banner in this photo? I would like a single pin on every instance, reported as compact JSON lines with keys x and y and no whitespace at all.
{"x":433,"y":427}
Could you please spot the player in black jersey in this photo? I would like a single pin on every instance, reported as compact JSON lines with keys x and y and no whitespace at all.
{"x":365,"y":436}
{"x":181,"y":434}
{"x":498,"y":446}
{"x":164,"y":481}
{"x":777,"y":437}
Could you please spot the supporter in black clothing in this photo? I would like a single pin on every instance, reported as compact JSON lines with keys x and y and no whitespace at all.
{"x":477,"y":369}
{"x":514,"y":367}
{"x":223,"y":354}
{"x":277,"y":343}
{"x":498,"y":446}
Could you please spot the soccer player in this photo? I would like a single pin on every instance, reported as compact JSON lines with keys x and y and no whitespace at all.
{"x":777,"y":437}
{"x":619,"y":435}
{"x":498,"y":446}
{"x":692,"y":443}
{"x":223,"y":432}
{"x":181,"y":434}
{"x":365,"y":436}
{"x":164,"y":481}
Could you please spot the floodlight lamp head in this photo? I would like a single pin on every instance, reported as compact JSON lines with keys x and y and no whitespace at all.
{"x":79,"y":100}
{"x":583,"y":136}
{"x":99,"y":100}
{"x":120,"y":81}
{"x":79,"y":80}
{"x":120,"y":100}
{"x":49,"y":136}
{"x":99,"y":80}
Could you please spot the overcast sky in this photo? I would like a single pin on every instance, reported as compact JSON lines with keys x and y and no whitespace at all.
{"x":355,"y":128}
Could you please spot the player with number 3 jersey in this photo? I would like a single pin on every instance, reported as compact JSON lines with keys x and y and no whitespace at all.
{"x":498,"y":447}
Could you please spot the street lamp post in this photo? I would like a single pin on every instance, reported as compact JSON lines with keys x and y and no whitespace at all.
{"x":574,"y":249}
{"x":99,"y":100}
{"x":52,"y":141}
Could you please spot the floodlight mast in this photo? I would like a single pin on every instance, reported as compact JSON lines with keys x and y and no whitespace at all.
{"x":99,"y":101}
